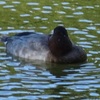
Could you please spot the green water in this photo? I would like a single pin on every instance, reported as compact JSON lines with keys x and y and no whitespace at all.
{"x":22,"y":80}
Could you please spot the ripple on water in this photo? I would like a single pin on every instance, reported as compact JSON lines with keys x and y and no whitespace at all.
{"x":72,"y":29}
{"x":55,"y":4}
{"x":37,"y":17}
{"x":93,"y":52}
{"x":2,"y":2}
{"x":65,"y":3}
{"x":25,"y":15}
{"x":91,"y":36}
{"x":16,"y":2}
{"x":33,"y":3}
{"x":85,"y":44}
{"x":47,"y":7}
{"x":44,"y":19}
{"x":69,"y":16}
{"x":97,"y":24}
{"x":94,"y":94}
{"x":36,"y":8}
{"x":66,"y":7}
{"x":57,"y":21}
{"x":46,"y":11}
{"x":98,"y":32}
{"x":25,"y":21}
{"x":79,"y":88}
{"x":10,"y":28}
{"x":61,"y":12}
{"x":80,"y":32}
{"x":85,"y":20}
{"x":78,"y":13}
{"x":97,"y":6}
{"x":8,"y":6}
{"x":13,"y":9}
{"x":91,"y":28}
{"x":89,"y":7}
{"x":43,"y":27}
{"x":79,"y":8}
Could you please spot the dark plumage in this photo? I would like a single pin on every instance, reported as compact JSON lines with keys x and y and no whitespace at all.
{"x":23,"y":33}
{"x":56,"y":47}
{"x":59,"y":42}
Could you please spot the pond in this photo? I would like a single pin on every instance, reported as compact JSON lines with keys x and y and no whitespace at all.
{"x":24,"y":80}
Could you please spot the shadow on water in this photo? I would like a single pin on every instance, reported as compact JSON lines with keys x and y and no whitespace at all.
{"x":58,"y":70}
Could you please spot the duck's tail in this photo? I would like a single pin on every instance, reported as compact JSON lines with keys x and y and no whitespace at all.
{"x":4,"y":38}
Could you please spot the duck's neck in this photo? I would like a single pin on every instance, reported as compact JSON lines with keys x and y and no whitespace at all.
{"x":60,"y":46}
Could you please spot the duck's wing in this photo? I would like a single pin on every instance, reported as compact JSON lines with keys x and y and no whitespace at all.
{"x":24,"y":33}
{"x":28,"y":45}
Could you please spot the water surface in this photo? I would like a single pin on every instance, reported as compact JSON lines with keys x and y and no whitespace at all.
{"x":21,"y":80}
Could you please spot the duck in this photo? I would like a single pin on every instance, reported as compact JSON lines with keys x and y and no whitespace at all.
{"x":54,"y":48}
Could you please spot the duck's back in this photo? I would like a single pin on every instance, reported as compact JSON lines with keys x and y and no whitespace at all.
{"x":32,"y":46}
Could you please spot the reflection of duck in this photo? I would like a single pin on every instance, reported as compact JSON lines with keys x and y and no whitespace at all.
{"x":62,"y":70}
{"x":51,"y":48}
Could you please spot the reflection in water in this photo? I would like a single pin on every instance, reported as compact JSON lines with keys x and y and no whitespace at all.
{"x":38,"y":80}
{"x":61,"y":70}
{"x":53,"y":79}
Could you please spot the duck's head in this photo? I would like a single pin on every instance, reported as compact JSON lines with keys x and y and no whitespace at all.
{"x":59,"y":42}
